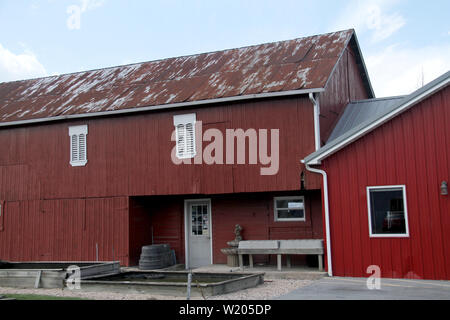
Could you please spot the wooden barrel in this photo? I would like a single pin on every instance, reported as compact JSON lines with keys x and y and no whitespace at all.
{"x":156,"y":257}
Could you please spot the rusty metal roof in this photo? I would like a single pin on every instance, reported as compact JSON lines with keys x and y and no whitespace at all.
{"x":304,"y":63}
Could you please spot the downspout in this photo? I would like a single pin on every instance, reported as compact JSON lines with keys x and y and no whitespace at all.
{"x":327,"y":215}
{"x":316,"y":120}
{"x":315,"y":103}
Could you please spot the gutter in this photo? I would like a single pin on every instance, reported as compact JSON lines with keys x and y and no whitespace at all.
{"x":327,"y":215}
{"x":164,"y":106}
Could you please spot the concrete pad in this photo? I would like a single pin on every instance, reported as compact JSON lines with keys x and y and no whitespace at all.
{"x":337,"y":288}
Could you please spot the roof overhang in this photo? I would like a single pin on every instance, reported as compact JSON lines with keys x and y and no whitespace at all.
{"x":366,"y":127}
{"x":164,"y":106}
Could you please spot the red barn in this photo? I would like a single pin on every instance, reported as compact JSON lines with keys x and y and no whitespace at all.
{"x":89,"y":167}
{"x":386,"y":169}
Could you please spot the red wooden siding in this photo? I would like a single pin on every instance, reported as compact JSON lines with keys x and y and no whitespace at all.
{"x":344,"y":86}
{"x":167,"y":215}
{"x":140,"y":229}
{"x":255,"y":213}
{"x":131,"y":156}
{"x":413,"y":149}
{"x":65,"y":230}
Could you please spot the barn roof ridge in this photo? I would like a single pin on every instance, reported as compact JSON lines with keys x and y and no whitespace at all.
{"x":176,"y":57}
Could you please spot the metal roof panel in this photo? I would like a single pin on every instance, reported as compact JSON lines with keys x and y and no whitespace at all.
{"x":304,"y":63}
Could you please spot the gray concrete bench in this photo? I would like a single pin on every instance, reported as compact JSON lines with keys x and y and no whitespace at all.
{"x":279,"y":248}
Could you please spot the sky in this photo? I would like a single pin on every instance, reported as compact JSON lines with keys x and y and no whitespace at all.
{"x":405,"y":44}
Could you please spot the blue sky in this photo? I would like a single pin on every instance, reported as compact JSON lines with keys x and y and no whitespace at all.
{"x":402,"y":41}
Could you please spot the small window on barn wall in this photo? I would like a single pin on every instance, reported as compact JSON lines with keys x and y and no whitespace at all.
{"x":185,"y":135}
{"x":289,"y":208}
{"x":387,"y":211}
{"x":78,"y":145}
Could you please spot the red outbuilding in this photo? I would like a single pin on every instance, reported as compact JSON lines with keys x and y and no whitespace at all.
{"x":386,"y":168}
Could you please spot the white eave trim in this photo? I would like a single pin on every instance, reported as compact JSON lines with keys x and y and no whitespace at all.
{"x":165,"y":106}
{"x":316,"y":160}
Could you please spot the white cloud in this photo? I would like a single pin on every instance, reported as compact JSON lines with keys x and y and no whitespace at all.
{"x":19,"y":66}
{"x":370,"y":16}
{"x":75,"y":12}
{"x":91,"y":4}
{"x":398,"y":70}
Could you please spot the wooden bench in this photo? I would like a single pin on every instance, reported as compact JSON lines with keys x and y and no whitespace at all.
{"x":279,"y":248}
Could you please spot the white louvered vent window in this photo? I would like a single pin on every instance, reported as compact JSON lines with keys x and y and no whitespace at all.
{"x":78,"y":146}
{"x":185,"y":135}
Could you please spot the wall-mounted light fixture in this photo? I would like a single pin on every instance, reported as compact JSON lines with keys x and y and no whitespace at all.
{"x":444,"y":188}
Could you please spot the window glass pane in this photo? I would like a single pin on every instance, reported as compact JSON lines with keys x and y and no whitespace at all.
{"x":194,"y":221}
{"x":290,"y":208}
{"x":387,"y":211}
{"x":289,"y":204}
{"x":291,"y":214}
{"x":205,"y":222}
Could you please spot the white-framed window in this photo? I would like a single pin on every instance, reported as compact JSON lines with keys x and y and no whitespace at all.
{"x":388,"y":214}
{"x":185,"y":135}
{"x":78,"y":145}
{"x":289,"y":208}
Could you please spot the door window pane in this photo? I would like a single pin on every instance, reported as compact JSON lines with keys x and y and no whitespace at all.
{"x":200,"y":220}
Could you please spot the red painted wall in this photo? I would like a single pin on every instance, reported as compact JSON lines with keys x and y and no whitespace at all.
{"x":140,"y":229}
{"x":65,"y":230}
{"x":255,"y":214}
{"x":131,"y":155}
{"x":413,"y":149}
{"x":344,"y":86}
{"x":167,"y":216}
